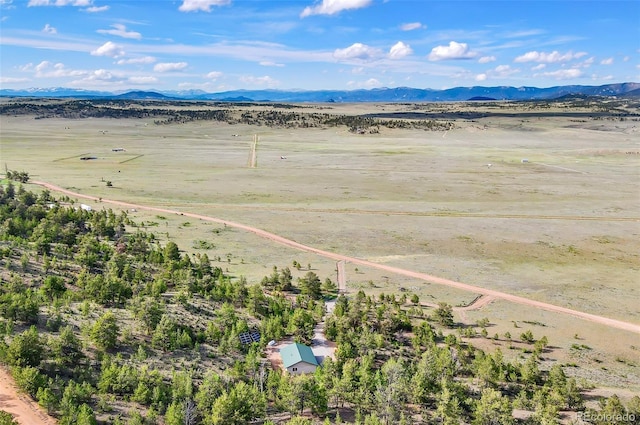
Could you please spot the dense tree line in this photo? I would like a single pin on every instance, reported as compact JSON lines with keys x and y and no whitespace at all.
{"x":179,"y":112}
{"x":117,"y":109}
{"x":101,"y":323}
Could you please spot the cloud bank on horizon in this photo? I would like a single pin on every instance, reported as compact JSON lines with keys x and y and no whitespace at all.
{"x":218,"y":45}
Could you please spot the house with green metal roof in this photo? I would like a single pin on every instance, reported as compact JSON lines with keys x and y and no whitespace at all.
{"x":298,"y":358}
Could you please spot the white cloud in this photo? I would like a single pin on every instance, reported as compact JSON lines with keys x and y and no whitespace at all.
{"x":121,"y":31}
{"x":372,"y":82}
{"x":214,"y":75}
{"x":251,"y":51}
{"x":524,"y":33}
{"x":143,"y":80}
{"x":96,"y":9}
{"x":170,"y":66}
{"x":500,"y":71}
{"x":9,"y":80}
{"x":504,"y":71}
{"x":107,"y":78}
{"x":259,"y":81}
{"x":25,"y":68}
{"x":269,"y":63}
{"x":331,"y":7}
{"x":400,"y":50}
{"x":41,"y":66}
{"x":586,"y":63}
{"x":100,"y":75}
{"x":204,"y":5}
{"x":552,"y":57}
{"x":607,"y":61}
{"x":564,"y":74}
{"x":356,"y":51}
{"x":79,"y":3}
{"x":453,"y":51}
{"x":357,"y":71}
{"x":109,"y":49}
{"x":141,"y":60}
{"x":46,"y":69}
{"x":368,"y":84}
{"x":98,"y":78}
{"x":49,"y":29}
{"x":487,"y":59}
{"x":539,"y":67}
{"x":411,"y":26}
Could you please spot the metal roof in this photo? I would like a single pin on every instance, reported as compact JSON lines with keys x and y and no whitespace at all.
{"x":296,"y":353}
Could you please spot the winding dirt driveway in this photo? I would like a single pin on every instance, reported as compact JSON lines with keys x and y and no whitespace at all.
{"x":631,"y":327}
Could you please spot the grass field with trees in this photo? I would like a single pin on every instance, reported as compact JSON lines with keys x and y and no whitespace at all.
{"x":103,"y":324}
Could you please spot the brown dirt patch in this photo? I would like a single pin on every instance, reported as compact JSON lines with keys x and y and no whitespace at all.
{"x":24,"y":410}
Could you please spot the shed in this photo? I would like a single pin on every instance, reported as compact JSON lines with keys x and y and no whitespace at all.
{"x":298,"y":358}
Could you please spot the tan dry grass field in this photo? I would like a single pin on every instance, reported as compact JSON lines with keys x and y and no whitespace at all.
{"x":561,"y":227}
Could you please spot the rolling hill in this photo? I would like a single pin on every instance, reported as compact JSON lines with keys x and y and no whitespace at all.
{"x":398,"y":94}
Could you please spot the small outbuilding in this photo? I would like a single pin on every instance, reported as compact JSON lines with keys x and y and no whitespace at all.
{"x":298,"y":358}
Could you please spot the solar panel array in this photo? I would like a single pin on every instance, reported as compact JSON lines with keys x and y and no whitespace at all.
{"x":249,"y":337}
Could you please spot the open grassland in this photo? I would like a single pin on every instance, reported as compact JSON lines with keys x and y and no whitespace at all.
{"x":542,"y":206}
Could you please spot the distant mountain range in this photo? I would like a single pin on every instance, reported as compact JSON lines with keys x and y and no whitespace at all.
{"x":399,"y":94}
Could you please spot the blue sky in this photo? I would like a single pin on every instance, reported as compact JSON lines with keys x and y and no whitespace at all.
{"x":218,"y":45}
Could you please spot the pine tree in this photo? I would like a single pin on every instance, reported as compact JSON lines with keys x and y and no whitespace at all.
{"x":105,"y":331}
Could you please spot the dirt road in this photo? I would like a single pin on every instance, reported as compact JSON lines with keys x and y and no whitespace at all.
{"x":477,"y":304}
{"x":631,"y":327}
{"x":253,"y":154}
{"x":24,"y":410}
